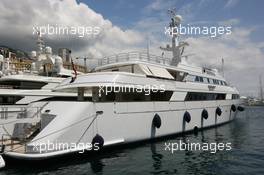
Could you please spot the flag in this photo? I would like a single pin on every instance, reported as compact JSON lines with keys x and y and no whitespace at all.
{"x":75,"y":72}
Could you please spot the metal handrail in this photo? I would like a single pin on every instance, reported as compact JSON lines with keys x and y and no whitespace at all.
{"x":134,"y":56}
{"x":4,"y":111}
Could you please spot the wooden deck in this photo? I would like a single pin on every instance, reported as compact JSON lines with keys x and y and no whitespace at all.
{"x":14,"y":146}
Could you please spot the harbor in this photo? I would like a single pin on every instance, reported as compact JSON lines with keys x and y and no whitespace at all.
{"x":245,"y":134}
{"x":165,"y":93}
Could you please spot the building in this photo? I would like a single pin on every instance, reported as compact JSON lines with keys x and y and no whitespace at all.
{"x":4,"y":51}
{"x":65,"y":54}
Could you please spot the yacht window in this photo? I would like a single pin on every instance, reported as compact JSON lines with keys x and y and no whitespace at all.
{"x":161,"y":96}
{"x":215,"y":81}
{"x":119,"y":69}
{"x":190,"y":78}
{"x":235,"y":96}
{"x":9,"y":100}
{"x":178,"y":76}
{"x":160,"y":72}
{"x":61,"y":98}
{"x":220,"y":96}
{"x":201,"y":96}
{"x":196,"y":78}
{"x":208,"y":80}
{"x":22,"y":84}
{"x":201,"y":79}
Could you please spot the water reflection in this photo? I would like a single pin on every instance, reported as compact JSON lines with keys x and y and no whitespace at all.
{"x":96,"y":165}
{"x":151,"y":158}
{"x":157,"y":157}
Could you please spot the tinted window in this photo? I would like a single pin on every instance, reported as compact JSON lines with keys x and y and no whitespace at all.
{"x":200,"y":96}
{"x":22,"y":84}
{"x":9,"y":100}
{"x":235,"y":96}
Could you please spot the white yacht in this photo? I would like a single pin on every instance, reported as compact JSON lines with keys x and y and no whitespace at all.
{"x":135,"y":96}
{"x":22,"y":82}
{"x":18,"y":79}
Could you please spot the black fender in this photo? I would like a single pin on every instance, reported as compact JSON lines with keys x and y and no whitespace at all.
{"x":187,"y":117}
{"x":98,"y":140}
{"x":218,"y":111}
{"x":156,"y":122}
{"x":233,"y":108}
{"x":205,"y":114}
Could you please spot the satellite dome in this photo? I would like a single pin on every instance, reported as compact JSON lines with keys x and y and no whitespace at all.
{"x":178,"y":19}
{"x":33,"y":54}
{"x":48,"y":50}
{"x":58,"y":59}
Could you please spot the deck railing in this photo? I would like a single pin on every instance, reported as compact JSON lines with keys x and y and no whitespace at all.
{"x":20,"y":112}
{"x":134,"y":56}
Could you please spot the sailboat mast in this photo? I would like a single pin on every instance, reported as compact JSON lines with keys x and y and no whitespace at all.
{"x":261,"y":89}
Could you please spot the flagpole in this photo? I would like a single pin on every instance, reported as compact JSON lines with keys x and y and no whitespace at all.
{"x":223,"y":62}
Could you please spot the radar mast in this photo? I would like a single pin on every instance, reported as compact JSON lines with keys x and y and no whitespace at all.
{"x":177,"y":48}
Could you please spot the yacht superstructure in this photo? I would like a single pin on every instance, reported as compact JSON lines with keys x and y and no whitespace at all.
{"x":22,"y":82}
{"x":43,"y":72}
{"x":134,"y":96}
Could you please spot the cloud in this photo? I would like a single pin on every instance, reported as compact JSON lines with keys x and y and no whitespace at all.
{"x":230,"y":22}
{"x":18,"y":18}
{"x":243,"y":58}
{"x":159,"y":5}
{"x":231,"y":3}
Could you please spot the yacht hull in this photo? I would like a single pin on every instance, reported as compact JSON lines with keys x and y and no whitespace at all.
{"x":122,"y":123}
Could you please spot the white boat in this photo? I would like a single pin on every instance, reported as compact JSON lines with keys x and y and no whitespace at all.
{"x":31,"y":82}
{"x":45,"y":72}
{"x":135,"y":96}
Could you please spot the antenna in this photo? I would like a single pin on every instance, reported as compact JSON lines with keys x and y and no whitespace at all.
{"x":148,"y":46}
{"x":176,"y":47}
{"x":222,"y":67}
{"x":261,"y":89}
{"x":40,"y":41}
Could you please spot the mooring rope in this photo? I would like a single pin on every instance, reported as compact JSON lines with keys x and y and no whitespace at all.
{"x":94,"y":116}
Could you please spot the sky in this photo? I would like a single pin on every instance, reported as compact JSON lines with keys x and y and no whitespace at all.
{"x":126,"y":24}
